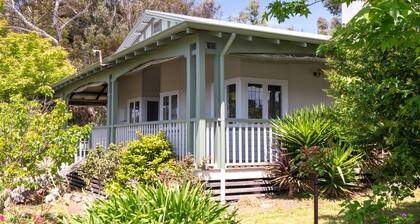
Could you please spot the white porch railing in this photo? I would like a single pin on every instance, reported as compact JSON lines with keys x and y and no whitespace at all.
{"x":176,"y":132}
{"x":247,"y":142}
{"x":99,"y":136}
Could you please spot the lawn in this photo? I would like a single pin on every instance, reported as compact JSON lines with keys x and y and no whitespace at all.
{"x":300,"y":211}
{"x":250,"y":209}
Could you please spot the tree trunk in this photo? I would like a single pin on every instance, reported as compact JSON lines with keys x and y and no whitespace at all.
{"x":291,"y":191}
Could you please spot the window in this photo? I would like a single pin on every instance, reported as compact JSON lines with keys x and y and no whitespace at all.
{"x":157,"y":27}
{"x":174,"y":107}
{"x":255,"y":101}
{"x":169,"y":106}
{"x":134,"y":111}
{"x":231,"y":100}
{"x":274,"y":101}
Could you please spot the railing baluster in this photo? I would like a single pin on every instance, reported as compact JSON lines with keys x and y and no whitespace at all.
{"x":240,"y":143}
{"x":227,"y":144}
{"x":265,"y":142}
{"x":252,"y":143}
{"x":246,"y":144}
{"x":259,"y":142}
{"x":234,"y":143}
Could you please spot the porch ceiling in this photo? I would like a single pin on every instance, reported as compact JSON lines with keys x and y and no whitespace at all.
{"x":90,"y":95}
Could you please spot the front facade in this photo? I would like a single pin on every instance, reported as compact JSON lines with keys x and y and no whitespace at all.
{"x":211,"y":85}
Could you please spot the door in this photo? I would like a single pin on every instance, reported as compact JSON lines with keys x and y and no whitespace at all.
{"x":152,"y":111}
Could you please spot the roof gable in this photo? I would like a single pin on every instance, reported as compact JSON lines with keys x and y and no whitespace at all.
{"x":154,"y":22}
{"x":147,"y":26}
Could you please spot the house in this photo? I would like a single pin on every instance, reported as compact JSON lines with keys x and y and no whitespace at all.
{"x":211,"y":85}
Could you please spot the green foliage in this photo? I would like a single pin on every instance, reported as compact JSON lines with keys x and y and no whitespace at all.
{"x":303,"y":129}
{"x":283,"y":10}
{"x":375,"y":83}
{"x":311,"y":147}
{"x":338,"y":171}
{"x":378,"y":207}
{"x":184,"y":203}
{"x":100,"y":164}
{"x":34,"y":140}
{"x":29,"y":65}
{"x":142,"y":160}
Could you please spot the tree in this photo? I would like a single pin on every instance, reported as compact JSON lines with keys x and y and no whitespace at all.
{"x":29,"y":65}
{"x":81,"y":26}
{"x":34,"y":140}
{"x":376,"y":84}
{"x":251,"y":14}
{"x":283,"y":10}
{"x":325,"y":28}
{"x":34,"y":137}
{"x":322,"y":25}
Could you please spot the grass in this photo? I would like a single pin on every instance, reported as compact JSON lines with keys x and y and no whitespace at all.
{"x":250,"y":210}
{"x":300,"y":211}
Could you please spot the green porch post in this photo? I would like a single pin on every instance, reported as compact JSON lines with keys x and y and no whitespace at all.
{"x":200,"y":106}
{"x":191,"y":74}
{"x":114,"y":108}
{"x":109,"y":110}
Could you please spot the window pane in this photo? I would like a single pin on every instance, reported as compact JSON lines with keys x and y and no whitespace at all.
{"x":131,"y":113}
{"x":157,"y":27}
{"x":255,"y":101}
{"x":137,"y":111}
{"x":174,"y":107}
{"x":274,"y":101}
{"x":231,"y":101}
{"x":165,"y":108}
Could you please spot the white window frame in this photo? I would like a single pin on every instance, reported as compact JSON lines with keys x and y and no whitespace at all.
{"x":153,"y":26}
{"x":169,"y":94}
{"x":265,"y":83}
{"x":237,"y":82}
{"x":133,"y":100}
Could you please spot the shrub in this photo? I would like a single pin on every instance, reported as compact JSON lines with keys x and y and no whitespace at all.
{"x":35,"y":140}
{"x":338,"y":176}
{"x":297,"y":132}
{"x":303,"y":129}
{"x":377,"y":208}
{"x":179,"y":172}
{"x":184,"y":203}
{"x":100,"y":164}
{"x":311,"y":147}
{"x":142,"y":160}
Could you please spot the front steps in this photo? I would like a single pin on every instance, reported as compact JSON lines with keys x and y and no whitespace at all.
{"x":235,"y":189}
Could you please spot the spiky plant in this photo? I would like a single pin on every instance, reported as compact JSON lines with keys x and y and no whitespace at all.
{"x":295,"y":133}
{"x":339,"y":178}
{"x":158,"y":203}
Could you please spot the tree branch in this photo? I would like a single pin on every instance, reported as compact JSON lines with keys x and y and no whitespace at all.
{"x":75,"y":16}
{"x":12,"y":7}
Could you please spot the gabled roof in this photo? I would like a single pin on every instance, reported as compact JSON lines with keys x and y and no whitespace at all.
{"x":217,"y":25}
{"x":180,"y":23}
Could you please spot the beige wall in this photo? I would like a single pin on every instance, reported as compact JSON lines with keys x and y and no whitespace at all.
{"x":304,"y":89}
{"x":129,"y":87}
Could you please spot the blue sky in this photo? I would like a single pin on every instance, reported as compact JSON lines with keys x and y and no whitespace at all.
{"x":233,"y":7}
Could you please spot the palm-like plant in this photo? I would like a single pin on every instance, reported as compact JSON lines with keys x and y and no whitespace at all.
{"x":297,"y":132}
{"x":338,"y":177}
{"x":159,"y":203}
{"x":303,"y":129}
